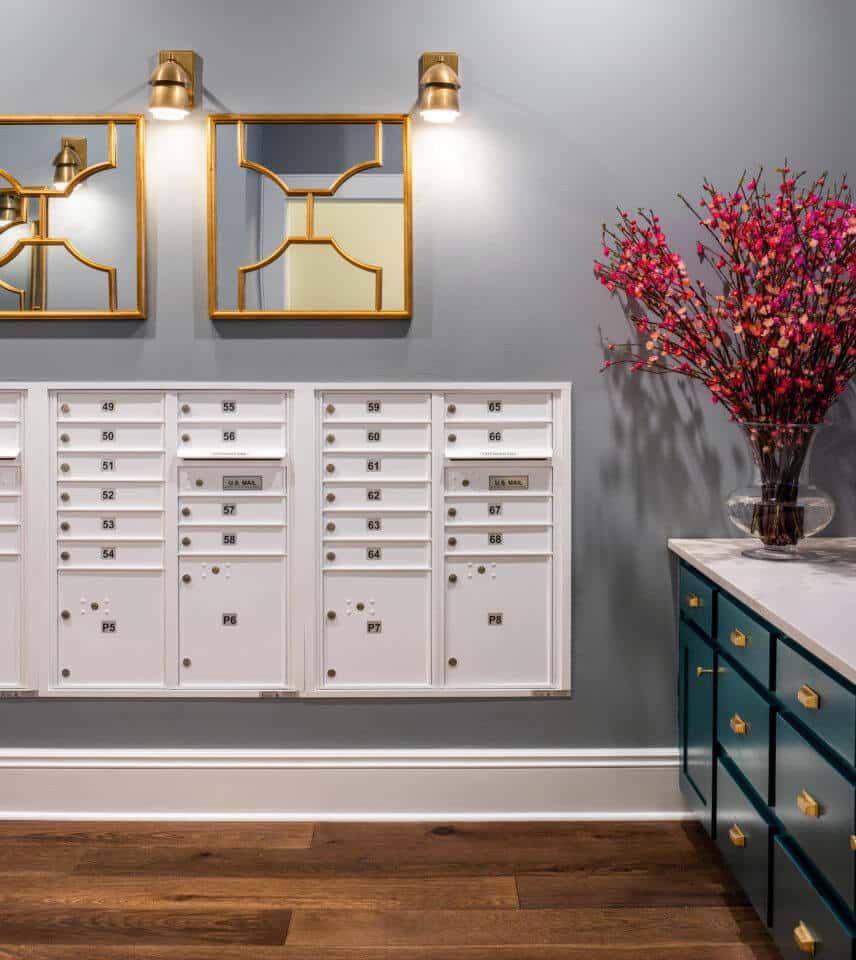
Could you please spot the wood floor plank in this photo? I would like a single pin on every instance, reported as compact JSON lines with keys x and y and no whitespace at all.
{"x":684,"y":926}
{"x":19,"y":860}
{"x":105,"y":926}
{"x":271,"y":835}
{"x":367,"y":893}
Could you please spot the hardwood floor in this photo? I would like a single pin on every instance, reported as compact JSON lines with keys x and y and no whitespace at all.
{"x":499,"y":891}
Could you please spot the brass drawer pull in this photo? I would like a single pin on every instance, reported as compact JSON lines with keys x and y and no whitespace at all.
{"x":701,"y":671}
{"x":736,"y":836}
{"x":853,"y":841}
{"x":808,"y":806}
{"x":739,"y":725}
{"x":804,"y":939}
{"x":693,"y":601}
{"x":739,"y":638}
{"x":808,"y":698}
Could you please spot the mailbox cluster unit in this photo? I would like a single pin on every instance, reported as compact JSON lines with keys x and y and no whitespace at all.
{"x":285,"y":540}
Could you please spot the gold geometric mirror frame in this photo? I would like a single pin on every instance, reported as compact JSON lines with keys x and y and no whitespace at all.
{"x":309,"y":216}
{"x":37,"y":298}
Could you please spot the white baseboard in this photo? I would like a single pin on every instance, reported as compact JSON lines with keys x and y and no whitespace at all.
{"x":184,"y":784}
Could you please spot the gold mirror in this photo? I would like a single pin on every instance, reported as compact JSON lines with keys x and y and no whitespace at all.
{"x":72,"y":217}
{"x":309,"y":216}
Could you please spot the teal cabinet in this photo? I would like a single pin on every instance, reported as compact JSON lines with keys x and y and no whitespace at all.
{"x":744,"y":638}
{"x":743,"y":727}
{"x":696,"y":600}
{"x":697,"y":674}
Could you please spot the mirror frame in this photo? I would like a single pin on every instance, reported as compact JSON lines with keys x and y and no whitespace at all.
{"x":7,"y":180}
{"x":237,"y":120}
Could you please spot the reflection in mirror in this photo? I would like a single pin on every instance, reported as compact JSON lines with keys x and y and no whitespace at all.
{"x":309,"y":216}
{"x":72,"y":226}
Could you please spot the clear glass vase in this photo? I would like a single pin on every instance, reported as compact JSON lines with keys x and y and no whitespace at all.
{"x":781,"y":506}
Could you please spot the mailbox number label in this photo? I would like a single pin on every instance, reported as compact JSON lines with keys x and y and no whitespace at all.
{"x":494,"y":619}
{"x":373,"y":523}
{"x":108,"y":494}
{"x":109,"y":406}
{"x":373,"y":406}
{"x":230,"y":406}
{"x":230,"y":509}
{"x":373,"y":466}
{"x":373,"y":436}
{"x":494,"y":509}
{"x":494,"y":538}
{"x":494,"y":436}
{"x":107,"y":435}
{"x":374,"y":626}
{"x":108,"y":465}
{"x":108,"y":523}
{"x":373,"y":495}
{"x":108,"y":626}
{"x":374,"y":553}
{"x":494,"y":406}
{"x":108,"y":553}
{"x":230,"y":539}
{"x":230,"y":436}
{"x":230,"y":619}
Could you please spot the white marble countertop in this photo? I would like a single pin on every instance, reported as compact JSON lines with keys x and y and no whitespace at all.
{"x":812,"y":603}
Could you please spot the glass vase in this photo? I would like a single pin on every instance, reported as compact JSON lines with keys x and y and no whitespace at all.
{"x":781,"y":506}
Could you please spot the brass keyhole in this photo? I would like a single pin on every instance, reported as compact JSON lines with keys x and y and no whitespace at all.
{"x":66,"y":672}
{"x":185,"y":408}
{"x":95,"y":605}
{"x":64,"y":438}
{"x":465,"y":483}
{"x":453,"y":661}
{"x":200,"y":483}
{"x":452,"y":512}
{"x":453,"y":578}
{"x":185,"y":541}
{"x":331,"y":468}
{"x":361,"y":606}
{"x":451,"y":408}
{"x":65,"y":408}
{"x":65,"y":526}
{"x":186,"y":662}
{"x":453,"y":541}
{"x":482,"y":569}
{"x":66,"y":614}
{"x":331,"y":438}
{"x":331,"y":527}
{"x":65,"y":468}
{"x":452,"y":437}
{"x":65,"y":555}
{"x":65,"y":497}
{"x":215,"y":570}
{"x":185,"y":438}
{"x":185,"y":511}
{"x":186,"y":578}
{"x":331,"y":614}
{"x":331,"y":556}
{"x":331,"y":497}
{"x":331,"y":672}
{"x":331,"y":408}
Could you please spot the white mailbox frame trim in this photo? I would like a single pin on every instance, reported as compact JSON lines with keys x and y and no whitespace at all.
{"x":37,"y":463}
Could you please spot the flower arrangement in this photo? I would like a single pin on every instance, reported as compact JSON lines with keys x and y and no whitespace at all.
{"x":775,"y":341}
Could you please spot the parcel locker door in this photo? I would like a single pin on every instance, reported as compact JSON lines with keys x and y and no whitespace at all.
{"x":233,"y":622}
{"x":10,"y":635}
{"x":499,"y":622}
{"x":377,"y":629}
{"x":111,"y":629}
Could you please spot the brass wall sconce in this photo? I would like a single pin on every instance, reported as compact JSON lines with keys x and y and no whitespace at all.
{"x":70,"y":160}
{"x":439,"y":83}
{"x":173,"y":84}
{"x":12,"y":208}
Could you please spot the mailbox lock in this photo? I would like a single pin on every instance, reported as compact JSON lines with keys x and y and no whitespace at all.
{"x":200,"y":482}
{"x":331,"y":614}
{"x":64,"y":437}
{"x":65,"y":497}
{"x":453,"y":578}
{"x":331,"y":408}
{"x":65,"y":525}
{"x":65,"y":408}
{"x":330,"y":555}
{"x":453,"y":661}
{"x":481,"y":568}
{"x":452,"y":512}
{"x":66,"y":614}
{"x":185,"y":438}
{"x":453,"y":541}
{"x":451,"y":408}
{"x":331,"y":672}
{"x":185,"y":511}
{"x":215,"y":570}
{"x":331,"y":468}
{"x":185,"y":408}
{"x":465,"y":483}
{"x":361,"y":606}
{"x":331,"y":498}
{"x":185,"y":541}
{"x":65,"y":555}
{"x":186,"y":578}
{"x":65,"y":468}
{"x":331,"y":527}
{"x":331,"y":438}
{"x":186,"y":662}
{"x":95,"y":604}
{"x":452,"y":437}
{"x":66,"y":672}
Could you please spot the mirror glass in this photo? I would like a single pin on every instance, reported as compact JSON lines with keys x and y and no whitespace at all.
{"x":71,"y":217}
{"x":310,"y":217}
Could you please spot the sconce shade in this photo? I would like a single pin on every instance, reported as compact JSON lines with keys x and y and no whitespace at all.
{"x":439,"y":101}
{"x":66,"y":166}
{"x":170,"y":98}
{"x":10,"y":206}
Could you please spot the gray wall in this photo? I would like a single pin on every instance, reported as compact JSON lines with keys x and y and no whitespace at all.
{"x":569,"y":108}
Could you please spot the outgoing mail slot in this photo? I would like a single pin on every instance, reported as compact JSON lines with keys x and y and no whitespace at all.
{"x":377,"y":630}
{"x":110,"y":525}
{"x":376,"y":466}
{"x":109,"y":405}
{"x":10,"y":636}
{"x":376,"y":554}
{"x":498,"y":622}
{"x":376,"y":405}
{"x":233,"y":439}
{"x":119,"y":496}
{"x":500,"y":440}
{"x":10,"y":405}
{"x":498,"y":539}
{"x":107,"y":553}
{"x":230,"y":510}
{"x":370,"y":525}
{"x":98,"y":466}
{"x":410,"y":496}
{"x":232,"y":623}
{"x":498,"y":405}
{"x":222,"y":540}
{"x":497,"y":478}
{"x":376,"y":436}
{"x":109,"y":436}
{"x":111,"y":629}
{"x":499,"y":509}
{"x":231,"y":406}
{"x":246,"y":479}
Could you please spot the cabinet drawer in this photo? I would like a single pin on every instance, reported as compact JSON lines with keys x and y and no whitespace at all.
{"x":376,"y":554}
{"x":246,"y":478}
{"x":108,"y":525}
{"x":109,"y":436}
{"x":370,"y":407}
{"x":500,"y":440}
{"x":368,"y":525}
{"x":228,"y":406}
{"x":488,"y":540}
{"x":231,"y":539}
{"x":498,"y":406}
{"x":743,"y":836}
{"x":800,"y":912}
{"x":106,"y":405}
{"x":743,"y":727}
{"x":381,"y":466}
{"x":395,"y":497}
{"x":120,"y":496}
{"x":745,"y":639}
{"x":9,"y":480}
{"x":495,"y":509}
{"x":131,"y":466}
{"x":228,"y":511}
{"x":372,"y":437}
{"x":110,"y":554}
{"x":696,"y":600}
{"x":496,"y":480}
{"x":824,"y":704}
{"x":823,"y":831}
{"x":231,"y":439}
